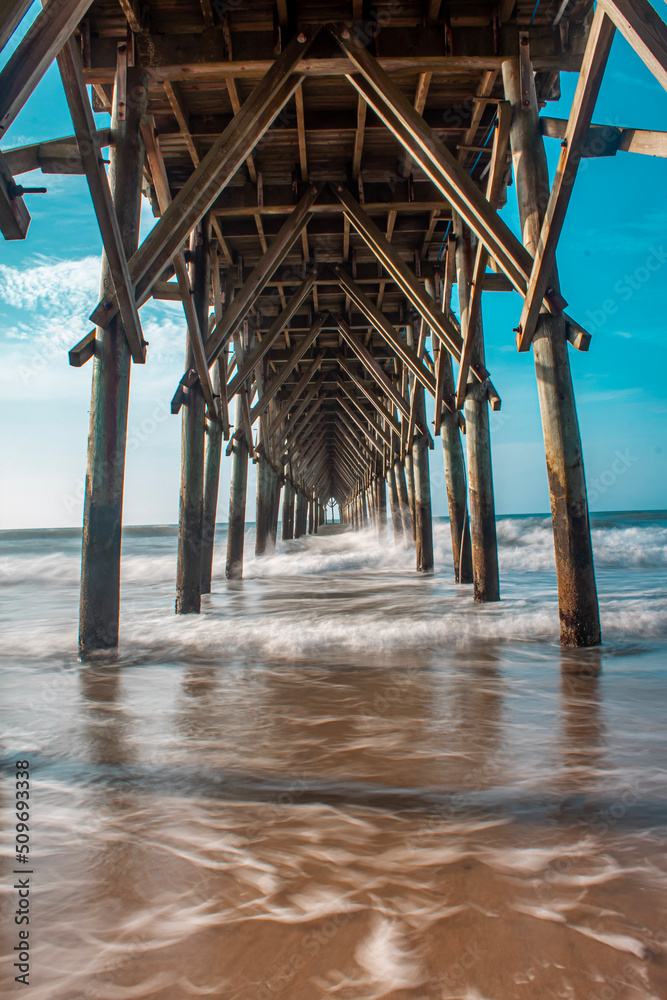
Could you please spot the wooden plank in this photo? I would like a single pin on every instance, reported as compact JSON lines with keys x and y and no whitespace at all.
{"x":583,"y":105}
{"x":36,"y":51}
{"x":261,"y":273}
{"x":215,"y":171}
{"x":301,"y":133}
{"x":69,"y":64}
{"x":644,"y":29}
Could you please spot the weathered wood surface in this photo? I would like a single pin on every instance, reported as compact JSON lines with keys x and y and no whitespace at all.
{"x":105,"y":470}
{"x":577,"y":592}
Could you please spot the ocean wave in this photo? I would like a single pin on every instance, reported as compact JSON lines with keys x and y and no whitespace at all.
{"x":524,"y":545}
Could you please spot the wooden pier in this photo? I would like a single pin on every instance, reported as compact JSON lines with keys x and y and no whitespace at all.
{"x":327,"y":180}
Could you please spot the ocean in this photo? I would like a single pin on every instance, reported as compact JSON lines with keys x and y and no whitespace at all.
{"x":341,"y":780}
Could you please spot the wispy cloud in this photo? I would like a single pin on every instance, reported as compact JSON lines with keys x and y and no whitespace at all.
{"x":66,"y":287}
{"x":606,"y":395}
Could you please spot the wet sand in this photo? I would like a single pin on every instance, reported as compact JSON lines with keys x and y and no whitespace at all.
{"x":481,"y":819}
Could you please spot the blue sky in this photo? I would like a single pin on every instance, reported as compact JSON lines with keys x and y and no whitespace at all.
{"x":613,"y":268}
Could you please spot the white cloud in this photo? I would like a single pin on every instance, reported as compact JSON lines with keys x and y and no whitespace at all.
{"x":65,"y":287}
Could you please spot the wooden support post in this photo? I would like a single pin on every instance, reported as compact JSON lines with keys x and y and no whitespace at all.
{"x":311,"y":516}
{"x":455,"y":472}
{"x":237,"y":500}
{"x":191,"y":503}
{"x":381,"y":488}
{"x":480,"y":475}
{"x":410,"y":487}
{"x":265,"y":495}
{"x":275,"y":512}
{"x":402,"y":498}
{"x":577,"y":594}
{"x":300,"y":510}
{"x":395,"y":510}
{"x":419,"y":448}
{"x":103,"y":504}
{"x":288,"y":512}
{"x":212,"y":431}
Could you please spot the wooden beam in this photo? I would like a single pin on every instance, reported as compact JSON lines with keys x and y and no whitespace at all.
{"x":367,"y":389}
{"x":295,"y":394}
{"x":36,"y":51}
{"x":301,"y":132}
{"x":385,"y":329}
{"x":236,"y":107}
{"x":644,"y":29}
{"x":603,"y":140}
{"x":390,"y":258}
{"x":215,"y":171}
{"x":274,"y":332}
{"x":373,"y":367}
{"x":276,"y":383}
{"x":12,"y":13}
{"x":131,"y":11}
{"x":437,"y":162}
{"x":470,"y":315}
{"x":69,"y":63}
{"x":583,"y":105}
{"x":14,"y":215}
{"x":359,"y":136}
{"x":421,"y":93}
{"x":83,"y":351}
{"x":55,"y":156}
{"x":261,"y":273}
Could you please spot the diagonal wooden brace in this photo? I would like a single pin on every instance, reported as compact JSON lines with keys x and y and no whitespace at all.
{"x":216,"y":169}
{"x":71,"y":73}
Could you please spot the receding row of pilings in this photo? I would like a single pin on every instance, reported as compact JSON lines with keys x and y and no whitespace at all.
{"x":404,"y":468}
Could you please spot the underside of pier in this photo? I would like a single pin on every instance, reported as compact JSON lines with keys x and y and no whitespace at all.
{"x":327,"y":180}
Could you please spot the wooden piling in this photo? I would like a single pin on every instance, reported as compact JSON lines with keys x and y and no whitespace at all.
{"x":237,"y":502}
{"x":103,"y":504}
{"x":381,"y":494}
{"x":299,"y":519}
{"x":264,"y":507}
{"x":189,"y":570}
{"x":275,"y":510}
{"x":402,"y":497}
{"x":288,"y":511}
{"x":484,"y":542}
{"x":455,"y":471}
{"x":212,"y":440}
{"x":394,"y":506}
{"x":422,"y":489}
{"x":577,"y":593}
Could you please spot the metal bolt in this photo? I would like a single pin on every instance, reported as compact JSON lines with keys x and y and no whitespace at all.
{"x":345,"y":33}
{"x":301,"y":37}
{"x":17,"y":190}
{"x":564,"y":143}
